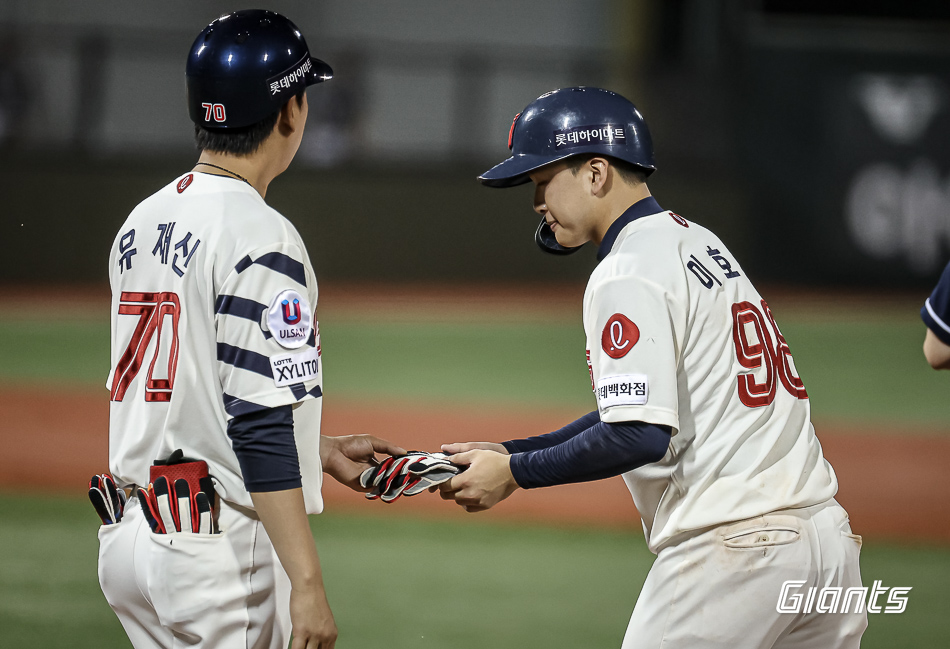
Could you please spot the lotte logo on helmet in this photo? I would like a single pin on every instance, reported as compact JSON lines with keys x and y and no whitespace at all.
{"x":619,"y":336}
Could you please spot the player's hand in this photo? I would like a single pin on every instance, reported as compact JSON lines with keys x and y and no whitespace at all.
{"x":345,"y":458}
{"x":462,"y":447}
{"x":485,"y":483}
{"x":311,"y":619}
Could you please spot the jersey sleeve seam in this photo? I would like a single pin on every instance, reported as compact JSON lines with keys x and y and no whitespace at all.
{"x":647,"y":414}
{"x":234,"y":267}
{"x":626,"y":277}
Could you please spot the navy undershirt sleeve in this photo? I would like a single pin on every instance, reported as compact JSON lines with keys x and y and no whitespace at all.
{"x":550,"y":439}
{"x":936,"y":311}
{"x":264,"y":444}
{"x":602,"y":451}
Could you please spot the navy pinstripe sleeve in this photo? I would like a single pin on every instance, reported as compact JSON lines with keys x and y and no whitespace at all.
{"x":602,"y":451}
{"x":936,"y":310}
{"x":257,"y":366}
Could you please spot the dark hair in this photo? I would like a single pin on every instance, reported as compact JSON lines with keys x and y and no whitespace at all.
{"x":238,"y":141}
{"x":629,"y":172}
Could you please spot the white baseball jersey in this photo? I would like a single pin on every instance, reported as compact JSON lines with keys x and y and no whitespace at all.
{"x":213,"y":298}
{"x":677,"y":335}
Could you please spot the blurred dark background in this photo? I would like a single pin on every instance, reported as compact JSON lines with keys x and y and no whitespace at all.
{"x":811,"y":136}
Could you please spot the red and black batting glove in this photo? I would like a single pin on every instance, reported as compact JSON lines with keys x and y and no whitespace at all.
{"x":394,"y":481}
{"x":170,"y":510}
{"x":107,"y":499}
{"x":149,"y":504}
{"x":407,"y":475}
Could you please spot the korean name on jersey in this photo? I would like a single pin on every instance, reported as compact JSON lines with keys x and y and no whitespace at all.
{"x":678,"y":336}
{"x":213,"y":298}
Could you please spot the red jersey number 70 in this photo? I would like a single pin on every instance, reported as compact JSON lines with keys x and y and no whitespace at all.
{"x":158,"y":313}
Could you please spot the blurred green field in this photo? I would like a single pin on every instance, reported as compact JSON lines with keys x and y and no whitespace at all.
{"x":489,"y":585}
{"x":498,"y":585}
{"x":861,"y":368}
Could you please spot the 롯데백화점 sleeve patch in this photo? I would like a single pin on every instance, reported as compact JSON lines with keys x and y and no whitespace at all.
{"x":289,"y":319}
{"x":622,"y":390}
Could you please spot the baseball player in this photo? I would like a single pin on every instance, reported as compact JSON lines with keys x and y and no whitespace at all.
{"x":216,"y":357}
{"x":936,"y":315}
{"x":699,"y":405}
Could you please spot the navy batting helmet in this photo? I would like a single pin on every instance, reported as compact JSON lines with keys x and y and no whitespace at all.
{"x":569,"y":122}
{"x":244,"y":66}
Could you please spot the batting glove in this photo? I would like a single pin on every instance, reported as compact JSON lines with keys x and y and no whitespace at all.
{"x":108,"y":500}
{"x":170,"y":510}
{"x":407,"y":475}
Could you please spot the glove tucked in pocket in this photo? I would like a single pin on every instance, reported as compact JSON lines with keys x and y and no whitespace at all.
{"x":108,"y":500}
{"x":181,"y":496}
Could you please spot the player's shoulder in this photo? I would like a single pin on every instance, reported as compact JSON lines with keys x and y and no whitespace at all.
{"x":230,"y":209}
{"x":651,"y":245}
{"x":665,"y":229}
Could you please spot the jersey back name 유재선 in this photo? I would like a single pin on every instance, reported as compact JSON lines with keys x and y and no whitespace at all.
{"x":213,"y":301}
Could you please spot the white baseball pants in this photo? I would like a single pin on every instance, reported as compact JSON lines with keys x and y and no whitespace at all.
{"x":720,"y":589}
{"x":194,"y":590}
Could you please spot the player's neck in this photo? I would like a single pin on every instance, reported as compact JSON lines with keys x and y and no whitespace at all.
{"x":258,"y":169}
{"x":614,"y":204}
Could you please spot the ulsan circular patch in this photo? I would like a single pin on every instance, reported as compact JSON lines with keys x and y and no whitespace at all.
{"x":289,"y":319}
{"x":620,"y":335}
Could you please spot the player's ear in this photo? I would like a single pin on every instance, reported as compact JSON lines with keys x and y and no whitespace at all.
{"x":597,"y":167}
{"x":292,"y":116}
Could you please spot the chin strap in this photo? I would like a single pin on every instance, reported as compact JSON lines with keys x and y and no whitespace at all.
{"x":548,"y":242}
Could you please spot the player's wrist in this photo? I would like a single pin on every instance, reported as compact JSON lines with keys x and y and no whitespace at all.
{"x":309,"y":580}
{"x":511,"y":483}
{"x":328,"y":446}
{"x":510,"y":447}
{"x":332,"y":459}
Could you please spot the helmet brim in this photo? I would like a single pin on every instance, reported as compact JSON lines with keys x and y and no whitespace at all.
{"x":321,"y":71}
{"x":514,"y":171}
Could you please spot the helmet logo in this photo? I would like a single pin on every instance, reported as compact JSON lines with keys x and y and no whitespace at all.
{"x":295,"y":77}
{"x":585,"y":135}
{"x":511,"y":131}
{"x":184,"y":182}
{"x":215,"y":111}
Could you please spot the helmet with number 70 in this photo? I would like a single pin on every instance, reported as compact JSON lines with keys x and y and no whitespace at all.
{"x":569,"y":122}
{"x":244,"y":66}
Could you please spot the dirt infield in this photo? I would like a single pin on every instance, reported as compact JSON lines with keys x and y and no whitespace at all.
{"x":895,"y":487}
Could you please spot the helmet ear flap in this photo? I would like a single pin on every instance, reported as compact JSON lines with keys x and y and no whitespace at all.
{"x":546,"y":240}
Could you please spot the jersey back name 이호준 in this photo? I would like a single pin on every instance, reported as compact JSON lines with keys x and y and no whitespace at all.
{"x":677,"y":335}
{"x":213,"y":301}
